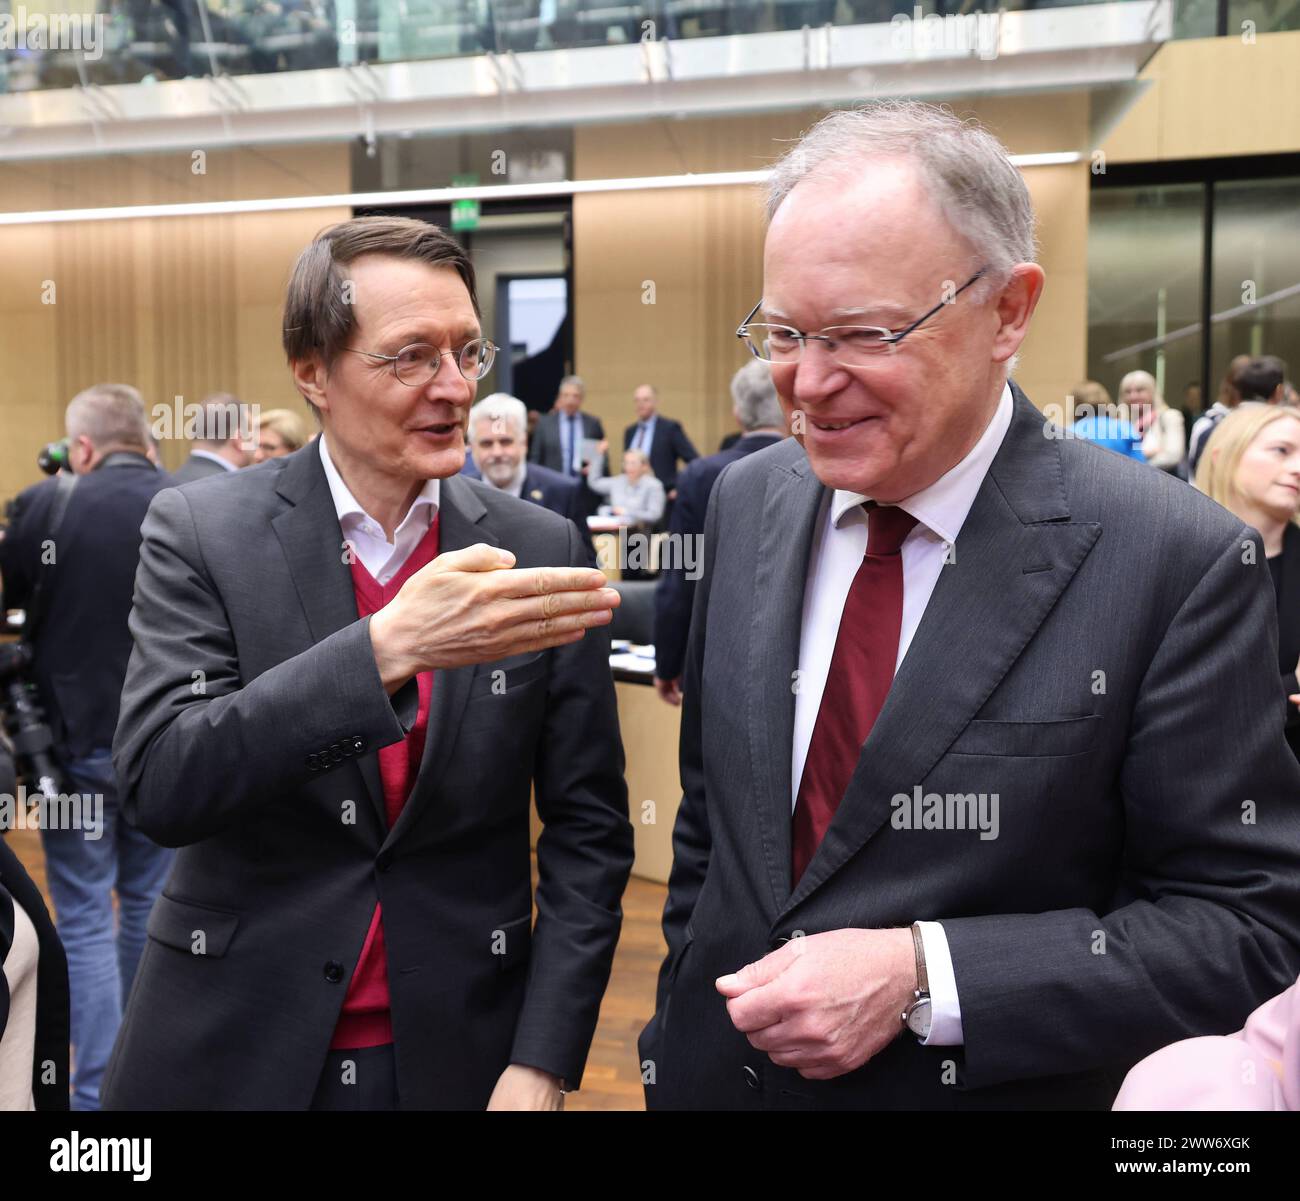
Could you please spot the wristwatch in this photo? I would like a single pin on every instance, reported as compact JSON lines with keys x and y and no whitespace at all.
{"x":916,"y":1017}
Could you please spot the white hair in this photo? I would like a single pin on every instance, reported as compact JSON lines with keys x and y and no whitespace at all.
{"x":963,"y":166}
{"x":753,"y":397}
{"x":500,"y":406}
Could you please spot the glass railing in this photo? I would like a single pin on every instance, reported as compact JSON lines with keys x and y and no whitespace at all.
{"x":65,"y":43}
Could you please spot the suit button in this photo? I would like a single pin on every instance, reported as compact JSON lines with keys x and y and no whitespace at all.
{"x":358,"y":745}
{"x":385,"y":860}
{"x":779,"y":942}
{"x":751,"y":1076}
{"x":333,"y":971}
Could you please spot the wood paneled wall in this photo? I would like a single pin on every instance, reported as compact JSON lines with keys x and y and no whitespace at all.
{"x":701,"y":248}
{"x":1213,"y":98}
{"x":177,"y":306}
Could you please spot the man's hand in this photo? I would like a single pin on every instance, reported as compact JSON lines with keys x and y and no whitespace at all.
{"x":825,"y":1003}
{"x":468,"y":606}
{"x":669,"y":690}
{"x":522,"y":1087}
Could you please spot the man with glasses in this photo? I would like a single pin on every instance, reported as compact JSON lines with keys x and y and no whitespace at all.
{"x":952,"y":836}
{"x":350,"y":668}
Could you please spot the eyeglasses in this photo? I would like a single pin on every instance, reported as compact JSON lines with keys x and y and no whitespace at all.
{"x":848,"y":345}
{"x":417,"y":364}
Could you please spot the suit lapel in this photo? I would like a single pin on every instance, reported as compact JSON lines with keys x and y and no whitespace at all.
{"x":312,"y":542}
{"x":1015,"y":554}
{"x":460,"y":517}
{"x":791,"y":504}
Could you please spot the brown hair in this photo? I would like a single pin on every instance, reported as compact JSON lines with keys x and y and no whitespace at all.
{"x":318,"y":320}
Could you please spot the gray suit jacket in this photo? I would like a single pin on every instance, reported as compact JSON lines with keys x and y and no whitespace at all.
{"x":1099,"y":621}
{"x":196,"y":467}
{"x":251,"y":718}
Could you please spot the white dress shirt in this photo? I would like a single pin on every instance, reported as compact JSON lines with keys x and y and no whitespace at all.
{"x":644,"y":437}
{"x":838,"y":547}
{"x":383,"y":559}
{"x":213,"y":457}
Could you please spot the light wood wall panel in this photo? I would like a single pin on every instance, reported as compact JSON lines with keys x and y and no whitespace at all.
{"x":702,"y":248}
{"x":1213,"y":98}
{"x":177,"y":306}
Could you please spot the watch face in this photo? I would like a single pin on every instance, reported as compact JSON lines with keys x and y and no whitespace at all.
{"x":918,"y":1018}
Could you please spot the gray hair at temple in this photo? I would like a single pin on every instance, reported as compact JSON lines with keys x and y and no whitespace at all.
{"x":500,"y":406}
{"x":963,"y":166}
{"x":753,"y":397}
{"x":110,"y":415}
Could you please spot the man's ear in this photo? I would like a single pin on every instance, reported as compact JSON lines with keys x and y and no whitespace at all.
{"x":81,"y":454}
{"x":310,"y":377}
{"x":1015,"y":306}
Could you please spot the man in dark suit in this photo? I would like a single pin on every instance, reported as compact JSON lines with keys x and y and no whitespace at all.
{"x":351,"y":666}
{"x":758,"y":412}
{"x":557,"y":441}
{"x":72,"y":555}
{"x":498,"y":443}
{"x":952,"y":670}
{"x":225,"y":442}
{"x":660,"y":438}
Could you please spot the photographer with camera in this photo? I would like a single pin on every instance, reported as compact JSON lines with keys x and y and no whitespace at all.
{"x":69,"y":558}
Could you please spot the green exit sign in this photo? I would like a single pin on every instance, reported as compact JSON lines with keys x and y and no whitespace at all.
{"x":464,"y":213}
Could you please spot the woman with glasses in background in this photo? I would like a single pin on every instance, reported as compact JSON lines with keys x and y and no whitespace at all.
{"x":279,"y":432}
{"x":1251,"y":466}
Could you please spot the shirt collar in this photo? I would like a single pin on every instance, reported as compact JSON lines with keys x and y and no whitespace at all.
{"x":942,"y":506}
{"x":215,"y":458}
{"x":347,"y":505}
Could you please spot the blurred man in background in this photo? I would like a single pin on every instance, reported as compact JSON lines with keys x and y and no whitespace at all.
{"x":498,"y":440}
{"x":74,"y":571}
{"x":758,"y":413}
{"x":227,"y":442}
{"x":661,"y":439}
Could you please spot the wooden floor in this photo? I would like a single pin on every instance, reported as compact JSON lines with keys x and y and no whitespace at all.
{"x":613,"y":1078}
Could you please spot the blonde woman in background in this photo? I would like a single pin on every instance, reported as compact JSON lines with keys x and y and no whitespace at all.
{"x":1164,"y":437}
{"x":1251,"y":466}
{"x":279,"y":432}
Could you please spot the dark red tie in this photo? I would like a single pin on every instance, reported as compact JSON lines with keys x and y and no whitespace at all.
{"x":861,"y":671}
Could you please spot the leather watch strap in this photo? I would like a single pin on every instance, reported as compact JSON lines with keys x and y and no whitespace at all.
{"x":922,"y":979}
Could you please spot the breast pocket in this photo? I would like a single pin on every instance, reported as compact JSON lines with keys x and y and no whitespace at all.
{"x":196,"y":929}
{"x":1051,"y":737}
{"x":507,"y":675}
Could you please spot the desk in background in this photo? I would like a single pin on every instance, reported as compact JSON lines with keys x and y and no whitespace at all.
{"x":650,"y":731}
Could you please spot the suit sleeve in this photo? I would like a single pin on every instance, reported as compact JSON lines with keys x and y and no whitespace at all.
{"x":19,"y":552}
{"x":578,"y":515}
{"x":535,"y":443}
{"x":675,"y":592}
{"x":692,"y":841}
{"x":1206,"y":921}
{"x":683,"y":447}
{"x":199,"y":748}
{"x":584,"y":856}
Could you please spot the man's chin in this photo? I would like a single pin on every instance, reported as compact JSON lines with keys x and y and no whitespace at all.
{"x":845,"y":473}
{"x":438,"y":463}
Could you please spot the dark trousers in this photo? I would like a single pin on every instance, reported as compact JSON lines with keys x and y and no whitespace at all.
{"x":356,"y":1080}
